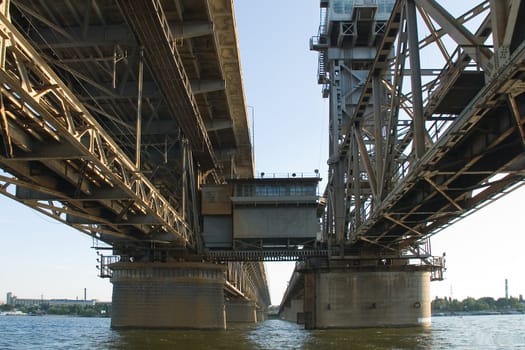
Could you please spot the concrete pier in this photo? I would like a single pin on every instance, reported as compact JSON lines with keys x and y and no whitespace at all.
{"x":374,"y":296}
{"x":168,"y":295}
{"x":261,"y":315}
{"x":293,"y":311}
{"x":241,"y":311}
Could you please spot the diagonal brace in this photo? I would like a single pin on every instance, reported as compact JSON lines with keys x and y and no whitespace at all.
{"x":463,"y":37}
{"x":450,"y":199}
{"x":516,"y":113}
{"x":395,"y":221}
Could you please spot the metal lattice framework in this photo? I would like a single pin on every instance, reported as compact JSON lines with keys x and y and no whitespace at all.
{"x":135,"y":113}
{"x":34,"y":98}
{"x":113,"y":114}
{"x":426,"y":119}
{"x":249,"y":277}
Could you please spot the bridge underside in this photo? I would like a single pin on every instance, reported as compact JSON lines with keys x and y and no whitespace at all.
{"x":110,"y":127}
{"x":113,"y":114}
{"x":116,"y":112}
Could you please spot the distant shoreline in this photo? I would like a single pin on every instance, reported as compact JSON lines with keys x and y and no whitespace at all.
{"x":478,"y":313}
{"x":49,"y":315}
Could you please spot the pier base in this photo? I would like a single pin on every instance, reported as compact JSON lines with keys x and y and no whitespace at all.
{"x":168,"y":295}
{"x":293,"y":311}
{"x":241,"y":311}
{"x":261,"y":315}
{"x":380,"y":296}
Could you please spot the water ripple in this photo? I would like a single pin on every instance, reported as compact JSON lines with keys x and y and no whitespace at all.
{"x":450,"y":333}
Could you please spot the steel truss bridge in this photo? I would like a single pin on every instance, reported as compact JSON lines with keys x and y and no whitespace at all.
{"x":426,"y":125}
{"x":114,"y":112}
{"x":426,"y":129}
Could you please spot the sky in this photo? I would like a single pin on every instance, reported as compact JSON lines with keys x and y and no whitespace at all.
{"x":43,"y":258}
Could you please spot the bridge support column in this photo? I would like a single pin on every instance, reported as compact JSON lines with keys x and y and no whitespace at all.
{"x":168,"y":295}
{"x":261,"y":315}
{"x":293,"y":312}
{"x":367,"y":297}
{"x":241,"y":311}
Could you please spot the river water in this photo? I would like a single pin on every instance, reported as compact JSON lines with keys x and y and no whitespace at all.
{"x":505,"y":332}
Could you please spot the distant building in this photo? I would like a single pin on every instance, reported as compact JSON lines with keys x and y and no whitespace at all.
{"x":13,"y":300}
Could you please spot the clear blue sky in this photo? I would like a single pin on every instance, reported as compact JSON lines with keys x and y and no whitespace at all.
{"x":43,"y":257}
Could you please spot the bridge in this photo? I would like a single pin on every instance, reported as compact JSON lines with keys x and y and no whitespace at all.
{"x":424,"y":130}
{"x":111,"y":123}
{"x":127,"y":121}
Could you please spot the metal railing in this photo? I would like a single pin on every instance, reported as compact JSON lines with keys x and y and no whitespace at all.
{"x":105,"y":262}
{"x":266,"y":255}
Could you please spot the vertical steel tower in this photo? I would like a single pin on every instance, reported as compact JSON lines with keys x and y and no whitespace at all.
{"x":347,"y":42}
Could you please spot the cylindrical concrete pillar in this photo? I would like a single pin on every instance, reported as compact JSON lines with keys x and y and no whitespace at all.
{"x":168,"y":295}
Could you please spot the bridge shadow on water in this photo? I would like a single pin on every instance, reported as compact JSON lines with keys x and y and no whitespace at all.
{"x":274,"y":334}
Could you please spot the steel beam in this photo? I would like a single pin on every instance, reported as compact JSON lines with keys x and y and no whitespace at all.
{"x":514,"y":109}
{"x":191,"y":29}
{"x":151,"y":29}
{"x":218,"y":124}
{"x":106,"y":35}
{"x":378,"y":128}
{"x":464,"y":38}
{"x":417,"y":94}
{"x":204,"y":86}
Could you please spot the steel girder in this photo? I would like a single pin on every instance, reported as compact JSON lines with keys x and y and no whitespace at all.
{"x":154,"y":34}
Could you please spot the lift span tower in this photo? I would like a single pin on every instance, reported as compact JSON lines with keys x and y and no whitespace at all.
{"x":425,"y":126}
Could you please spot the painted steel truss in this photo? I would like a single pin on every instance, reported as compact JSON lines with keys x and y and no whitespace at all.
{"x":424,"y":128}
{"x":45,"y":123}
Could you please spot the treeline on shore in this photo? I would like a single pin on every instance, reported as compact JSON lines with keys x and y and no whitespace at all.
{"x":485,"y":304}
{"x":97,"y":310}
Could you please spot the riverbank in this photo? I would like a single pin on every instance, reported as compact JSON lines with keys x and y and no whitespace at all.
{"x":478,"y":313}
{"x":13,"y":313}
